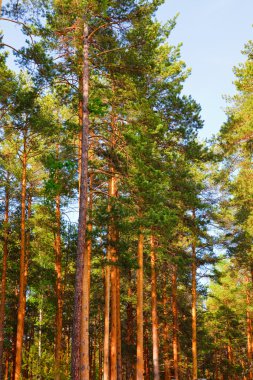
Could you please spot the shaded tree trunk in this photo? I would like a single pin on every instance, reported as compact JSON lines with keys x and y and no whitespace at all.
{"x":130,"y":333}
{"x":119,"y":352}
{"x":6,"y":373}
{"x":139,"y":310}
{"x":146,"y":356}
{"x":4,"y":272}
{"x":167,"y":374}
{"x":106,"y":364}
{"x":80,"y":337}
{"x":154,"y":311}
{"x":22,"y":278}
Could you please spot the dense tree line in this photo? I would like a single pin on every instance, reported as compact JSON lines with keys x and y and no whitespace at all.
{"x":154,"y":281}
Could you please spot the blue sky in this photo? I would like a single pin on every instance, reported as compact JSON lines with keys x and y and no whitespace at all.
{"x":213,"y":33}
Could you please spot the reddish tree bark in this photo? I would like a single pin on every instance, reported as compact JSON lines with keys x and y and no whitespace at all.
{"x":175,"y":322}
{"x":114,"y":284}
{"x":58,"y":269}
{"x":167,"y":374}
{"x":4,"y":272}
{"x":22,"y":278}
{"x":106,"y":365}
{"x":194,"y":315}
{"x":139,"y":311}
{"x":249,"y":329}
{"x":154,"y":311}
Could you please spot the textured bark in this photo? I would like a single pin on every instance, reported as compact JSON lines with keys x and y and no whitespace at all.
{"x":106,"y":366}
{"x":22,"y":278}
{"x":119,"y":351}
{"x":114,"y":285}
{"x":146,"y":356}
{"x":154,"y":311}
{"x":167,"y":374}
{"x":114,"y":346}
{"x":139,"y":310}
{"x":58,"y":269}
{"x":80,"y":337}
{"x":194,"y":315}
{"x":175,"y":322}
{"x":6,"y":369}
{"x":130,"y":367}
{"x":249,"y":330}
{"x":80,"y":120}
{"x":4,"y":273}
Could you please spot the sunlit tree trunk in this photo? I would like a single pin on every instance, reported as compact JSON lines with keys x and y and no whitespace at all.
{"x":22,"y":278}
{"x":194,"y":315}
{"x":175,"y":322}
{"x":58,"y":269}
{"x":249,"y":329}
{"x":4,"y":272}
{"x":80,"y":338}
{"x":139,"y":310}
{"x":114,"y":284}
{"x":154,"y":310}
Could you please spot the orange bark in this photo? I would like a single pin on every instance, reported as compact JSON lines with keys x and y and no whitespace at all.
{"x":119,"y":358}
{"x":4,"y":273}
{"x":6,"y":369}
{"x":22,"y":278}
{"x":154,"y":311}
{"x":175,"y":322}
{"x":58,"y":269}
{"x":139,"y":311}
{"x":167,"y":374}
{"x":249,"y":331}
{"x":106,"y":366}
{"x":194,"y":315}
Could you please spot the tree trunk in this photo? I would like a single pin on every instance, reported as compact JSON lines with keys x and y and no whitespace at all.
{"x":166,"y":334}
{"x":194,"y":315}
{"x":146,"y":357}
{"x":130,"y":332}
{"x":114,"y":284}
{"x":80,"y":120}
{"x":80,"y":338}
{"x":139,"y":311}
{"x":6,"y":369}
{"x":106,"y":366}
{"x":119,"y":352}
{"x":4,"y":273}
{"x":249,"y":330}
{"x":58,"y":269}
{"x":154,"y":311}
{"x":175,"y":322}
{"x":22,"y":278}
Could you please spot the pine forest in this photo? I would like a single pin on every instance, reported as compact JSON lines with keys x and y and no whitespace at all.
{"x":126,"y":240}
